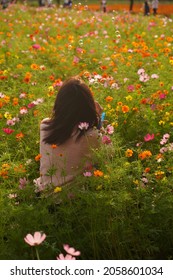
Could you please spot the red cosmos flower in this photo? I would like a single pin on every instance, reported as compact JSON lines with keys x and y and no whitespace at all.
{"x":8,"y":130}
{"x":106,"y":139}
{"x":31,"y":105}
{"x":36,"y":46}
{"x":148,"y":137}
{"x":3,"y":77}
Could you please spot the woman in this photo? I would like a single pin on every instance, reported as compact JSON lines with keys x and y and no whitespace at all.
{"x":67,"y":138}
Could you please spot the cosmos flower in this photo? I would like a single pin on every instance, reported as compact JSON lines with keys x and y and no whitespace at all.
{"x":83,"y":125}
{"x":71,"y":250}
{"x":148,"y":137}
{"x":36,"y":239}
{"x":8,"y":130}
{"x":106,"y":139}
{"x":36,"y":46}
{"x":87,"y":174}
{"x":110,"y":129}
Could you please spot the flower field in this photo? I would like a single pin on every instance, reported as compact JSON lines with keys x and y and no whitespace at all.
{"x":123,"y":207}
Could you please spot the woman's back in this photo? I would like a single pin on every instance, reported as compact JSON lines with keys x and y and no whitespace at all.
{"x":60,"y":164}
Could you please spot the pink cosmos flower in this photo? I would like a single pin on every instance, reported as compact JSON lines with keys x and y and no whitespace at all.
{"x":83,"y":125}
{"x":163,"y":150}
{"x":22,"y":183}
{"x":154,"y":76}
{"x":39,"y":185}
{"x":162,"y":96}
{"x":38,"y":101}
{"x":148,"y":137}
{"x":166,"y":136}
{"x":1,"y":95}
{"x":36,"y":239}
{"x":130,"y":88}
{"x":67,"y":257}
{"x":8,"y":130}
{"x":163,"y":141}
{"x":141,"y":71}
{"x":23,"y":110}
{"x":144,"y":77}
{"x":22,"y":95}
{"x":106,"y":139}
{"x":75,"y":59}
{"x":110,"y":129}
{"x":10,"y":122}
{"x":144,"y":180}
{"x":71,"y":250}
{"x":87,"y":174}
{"x":79,"y":50}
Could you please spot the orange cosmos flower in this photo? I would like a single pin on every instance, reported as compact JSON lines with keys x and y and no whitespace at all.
{"x":54,"y":146}
{"x":129,"y":153}
{"x":20,"y":169}
{"x":15,"y":101}
{"x":147,"y":170}
{"x":161,"y":84}
{"x":119,"y":103}
{"x":19,"y":136}
{"x":51,"y":77}
{"x":4,"y":173}
{"x":125,"y":109}
{"x":27,"y":78}
{"x":144,"y":155}
{"x":19,"y":66}
{"x":98,"y":173}
{"x":109,"y":98}
{"x":36,"y":113}
{"x":38,"y":157}
{"x":34,"y":66}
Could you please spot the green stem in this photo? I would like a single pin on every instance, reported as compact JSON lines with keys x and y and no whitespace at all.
{"x":37,"y":254}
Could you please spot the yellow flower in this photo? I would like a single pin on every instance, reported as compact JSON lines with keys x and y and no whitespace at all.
{"x":6,"y":166}
{"x":161,"y":122}
{"x":136,"y":182}
{"x":8,"y":116}
{"x":98,"y":188}
{"x":51,"y":88}
{"x":159,"y":174}
{"x":129,"y":98}
{"x":57,"y":189}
